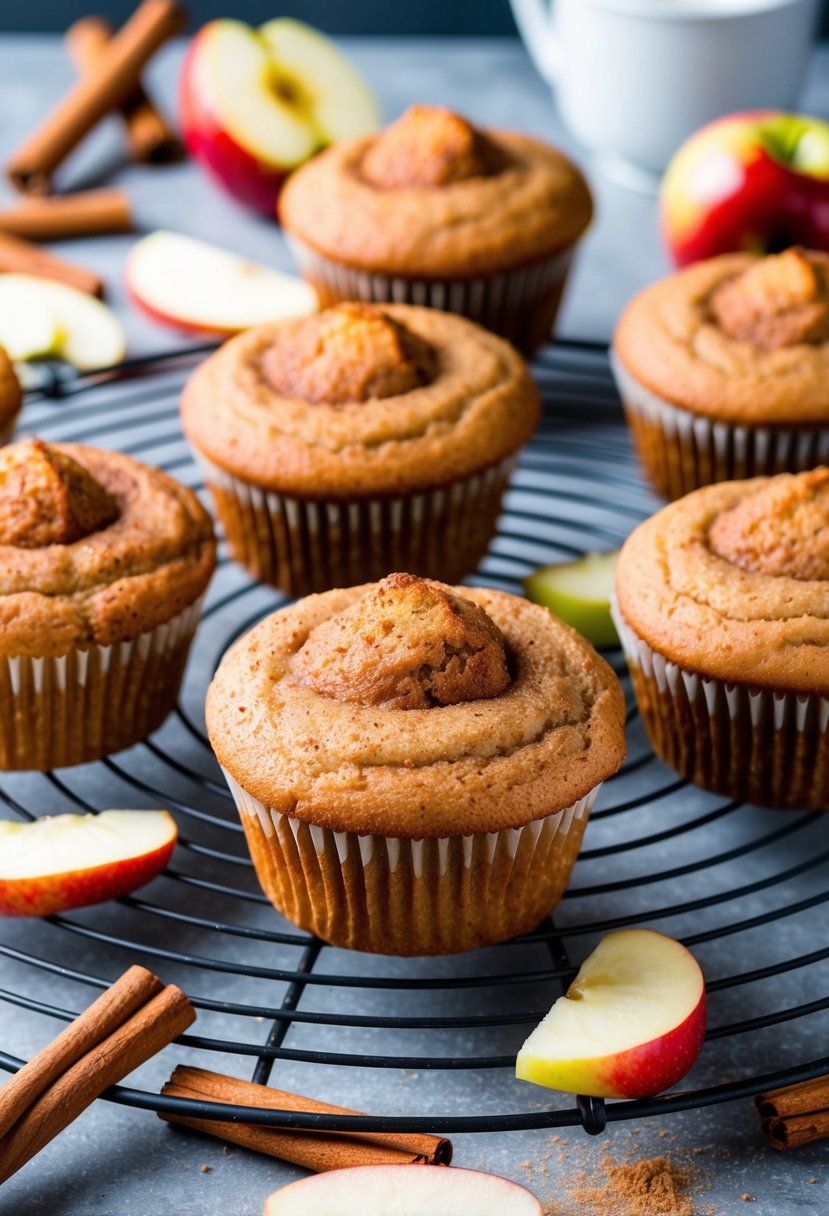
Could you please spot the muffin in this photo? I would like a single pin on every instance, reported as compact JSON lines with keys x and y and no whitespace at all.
{"x":103,"y":562}
{"x":724,"y":370}
{"x":723,"y":611}
{"x":342,"y":446}
{"x":435,"y":211}
{"x":11,"y":398}
{"x":413,"y":764}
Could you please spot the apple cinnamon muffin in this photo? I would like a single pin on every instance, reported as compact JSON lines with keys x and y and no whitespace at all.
{"x":341,"y":446}
{"x":723,"y":370}
{"x":103,"y":563}
{"x":11,"y":397}
{"x":436,"y":211}
{"x":414,"y":764}
{"x":723,"y":611}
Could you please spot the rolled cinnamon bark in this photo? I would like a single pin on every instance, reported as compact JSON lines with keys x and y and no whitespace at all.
{"x":796,"y":1114}
{"x":110,"y":81}
{"x":22,"y":258}
{"x":150,"y":138}
{"x":317,"y":1151}
{"x":62,"y":216}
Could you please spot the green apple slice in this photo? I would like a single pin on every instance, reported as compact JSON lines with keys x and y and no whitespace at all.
{"x":579,"y":592}
{"x":88,"y":333}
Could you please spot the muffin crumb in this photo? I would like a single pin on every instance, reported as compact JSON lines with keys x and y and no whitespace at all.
{"x":46,"y":498}
{"x":782,"y":300}
{"x":430,"y":146}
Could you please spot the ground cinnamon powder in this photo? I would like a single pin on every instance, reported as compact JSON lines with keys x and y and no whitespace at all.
{"x":652,"y":1187}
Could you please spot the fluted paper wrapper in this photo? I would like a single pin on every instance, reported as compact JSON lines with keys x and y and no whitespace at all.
{"x":681,"y":451}
{"x":302,"y":546}
{"x":754,"y":744}
{"x":521,"y":305}
{"x":90,"y":703}
{"x":389,"y":895}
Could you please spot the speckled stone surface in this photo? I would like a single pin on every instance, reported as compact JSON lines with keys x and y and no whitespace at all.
{"x":120,"y":1162}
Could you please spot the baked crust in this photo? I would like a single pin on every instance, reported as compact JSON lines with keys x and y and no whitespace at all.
{"x":732,"y":582}
{"x":735,"y":338}
{"x":115,"y":581}
{"x":479,"y":407}
{"x":552,"y":734}
{"x":11,"y":396}
{"x":419,"y":199}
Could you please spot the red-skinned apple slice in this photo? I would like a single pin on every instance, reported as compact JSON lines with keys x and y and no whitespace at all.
{"x":255,"y":104}
{"x":200,"y":288}
{"x":405,"y":1190}
{"x":631,"y":1024}
{"x":68,"y":861}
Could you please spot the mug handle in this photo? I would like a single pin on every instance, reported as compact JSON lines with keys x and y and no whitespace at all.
{"x":536,"y":25}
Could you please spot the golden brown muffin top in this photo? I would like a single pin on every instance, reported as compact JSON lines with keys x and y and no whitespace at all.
{"x":732,"y":581}
{"x":360,"y":401}
{"x":413,"y":709}
{"x":11,"y":397}
{"x":95,"y":548}
{"x":738,"y":338}
{"x":434,"y":195}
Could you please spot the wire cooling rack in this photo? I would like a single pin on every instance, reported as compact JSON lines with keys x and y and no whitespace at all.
{"x":745,"y":888}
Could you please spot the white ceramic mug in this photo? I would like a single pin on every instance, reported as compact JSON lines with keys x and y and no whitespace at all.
{"x":634,"y":78}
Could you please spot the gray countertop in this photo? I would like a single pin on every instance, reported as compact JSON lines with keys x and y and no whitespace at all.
{"x":118,"y":1160}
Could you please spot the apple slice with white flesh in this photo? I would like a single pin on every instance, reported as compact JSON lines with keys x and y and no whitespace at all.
{"x":255,"y":104}
{"x":86,"y":332}
{"x":579,"y":592}
{"x":631,"y":1024}
{"x":403,"y":1190}
{"x":198,"y":287}
{"x":68,"y":861}
{"x":28,"y":335}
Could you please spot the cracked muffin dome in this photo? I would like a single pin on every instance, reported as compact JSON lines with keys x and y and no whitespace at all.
{"x":414,"y":764}
{"x":737,"y":338}
{"x":340,"y":446}
{"x":436,"y":211}
{"x":360,"y":400}
{"x":434,"y":195}
{"x":732,"y":582}
{"x":413,"y":710}
{"x":95,"y":548}
{"x":103,"y":562}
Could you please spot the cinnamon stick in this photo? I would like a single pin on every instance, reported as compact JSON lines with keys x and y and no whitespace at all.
{"x":150,"y":1028}
{"x":22,"y":258}
{"x":111,"y":80}
{"x":796,"y":1114}
{"x":111,"y":1010}
{"x":62,"y":216}
{"x":150,"y":138}
{"x":314,"y":1150}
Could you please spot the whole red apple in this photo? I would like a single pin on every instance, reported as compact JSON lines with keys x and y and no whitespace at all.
{"x":256,"y":103}
{"x":757,"y":181}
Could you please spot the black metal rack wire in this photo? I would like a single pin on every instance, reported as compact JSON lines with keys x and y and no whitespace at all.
{"x":738,"y":879}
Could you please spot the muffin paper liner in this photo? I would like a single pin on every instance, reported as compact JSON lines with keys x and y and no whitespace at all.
{"x":90,"y":703}
{"x":681,"y":451}
{"x":754,"y":744}
{"x":389,"y":895}
{"x":301,"y":546}
{"x":520,"y":305}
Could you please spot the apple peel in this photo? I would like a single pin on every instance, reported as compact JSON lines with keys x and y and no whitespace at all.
{"x":67,"y":861}
{"x":630,"y":1026}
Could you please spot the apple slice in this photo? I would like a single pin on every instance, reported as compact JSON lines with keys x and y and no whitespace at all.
{"x":404,"y":1190}
{"x":29,"y":334}
{"x":69,"y":861}
{"x":255,"y":104}
{"x":579,"y":592}
{"x":198,"y":287}
{"x":631,"y":1024}
{"x":86,"y":332}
